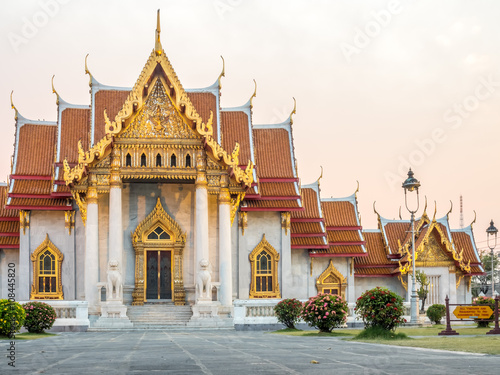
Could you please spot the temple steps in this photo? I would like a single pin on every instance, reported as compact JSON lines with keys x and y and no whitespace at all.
{"x":159,"y":316}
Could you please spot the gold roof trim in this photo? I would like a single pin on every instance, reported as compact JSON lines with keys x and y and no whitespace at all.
{"x":181,"y":101}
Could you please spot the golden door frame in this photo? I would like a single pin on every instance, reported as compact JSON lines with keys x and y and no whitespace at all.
{"x":158,"y":218}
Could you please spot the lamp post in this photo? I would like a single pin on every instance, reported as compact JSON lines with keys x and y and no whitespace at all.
{"x":492,"y":231}
{"x":409,"y":185}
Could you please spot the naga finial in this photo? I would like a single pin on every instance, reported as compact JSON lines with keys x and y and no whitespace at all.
{"x":54,"y":90}
{"x":321,"y":175}
{"x":294,"y":110}
{"x":158,"y":47}
{"x":473,"y":221}
{"x":374,"y":209}
{"x":451,"y":209}
{"x":435,"y":212}
{"x":254,"y":94}
{"x":223,"y":73}
{"x":13,"y":106}
{"x":87,"y":71}
{"x":400,"y":218}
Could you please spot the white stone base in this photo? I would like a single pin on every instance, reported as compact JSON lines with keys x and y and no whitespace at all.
{"x":113,"y":316}
{"x":210,"y":314}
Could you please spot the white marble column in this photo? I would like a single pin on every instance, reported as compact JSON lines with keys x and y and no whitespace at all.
{"x":452,"y":286}
{"x":115,"y":215}
{"x":225,"y":261}
{"x":286,"y":257}
{"x":351,"y":286}
{"x":201,"y":212}
{"x":92,"y":249}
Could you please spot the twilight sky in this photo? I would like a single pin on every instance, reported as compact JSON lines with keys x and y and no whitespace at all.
{"x":380,"y":85}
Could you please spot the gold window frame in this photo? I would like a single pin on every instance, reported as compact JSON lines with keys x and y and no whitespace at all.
{"x":35,"y":260}
{"x":264,"y":246}
{"x":331,"y":278}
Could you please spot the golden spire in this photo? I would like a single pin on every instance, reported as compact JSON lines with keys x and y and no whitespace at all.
{"x":87,"y":71}
{"x":449,"y":212}
{"x":158,"y":47}
{"x":435,"y":212}
{"x":400,"y":218}
{"x":13,"y":106}
{"x":54,"y":90}
{"x":223,"y":73}
{"x":254,"y":94}
{"x":473,"y":221}
{"x":321,"y":175}
{"x":294,"y":110}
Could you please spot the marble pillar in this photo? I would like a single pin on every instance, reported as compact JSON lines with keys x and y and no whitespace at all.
{"x":115,"y":220}
{"x":225,"y":261}
{"x":92,"y":249}
{"x":201,"y":213}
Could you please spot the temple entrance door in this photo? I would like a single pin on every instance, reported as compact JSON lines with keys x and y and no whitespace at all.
{"x":158,"y":275}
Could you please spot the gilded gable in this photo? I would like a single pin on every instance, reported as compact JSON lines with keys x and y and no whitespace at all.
{"x":158,"y":118}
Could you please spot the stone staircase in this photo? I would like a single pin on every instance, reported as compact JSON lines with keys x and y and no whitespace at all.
{"x":159,"y":316}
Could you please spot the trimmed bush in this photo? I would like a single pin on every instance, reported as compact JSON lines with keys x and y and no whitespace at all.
{"x":379,"y":307}
{"x":481,"y":301}
{"x":325,"y":312}
{"x":288,"y":311}
{"x":436,"y":312}
{"x":11,"y":317}
{"x":39,"y":316}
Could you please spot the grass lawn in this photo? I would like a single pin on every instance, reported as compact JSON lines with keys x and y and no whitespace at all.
{"x":28,"y":336}
{"x":488,"y":344}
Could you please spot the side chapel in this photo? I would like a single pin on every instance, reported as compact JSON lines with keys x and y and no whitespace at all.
{"x":155,"y":199}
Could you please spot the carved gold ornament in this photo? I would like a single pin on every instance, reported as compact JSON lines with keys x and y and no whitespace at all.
{"x":243,"y":222}
{"x":264,"y":265}
{"x":285,"y":221}
{"x":331,"y":281}
{"x":24,"y":220}
{"x":235,"y":204}
{"x":69,"y":220}
{"x":46,"y":263}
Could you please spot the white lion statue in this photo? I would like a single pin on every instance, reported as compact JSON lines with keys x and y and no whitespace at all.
{"x":114,"y":287}
{"x":204,"y":283}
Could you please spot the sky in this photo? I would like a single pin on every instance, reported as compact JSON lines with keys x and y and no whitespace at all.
{"x":380,"y":86}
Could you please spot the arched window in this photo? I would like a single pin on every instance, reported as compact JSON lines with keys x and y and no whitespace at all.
{"x":143,"y":160}
{"x":173,"y":161}
{"x":158,"y":234}
{"x":188,"y":161}
{"x":46,"y":260}
{"x":128,"y":160}
{"x":264,"y":264}
{"x":158,"y":160}
{"x":331,"y":281}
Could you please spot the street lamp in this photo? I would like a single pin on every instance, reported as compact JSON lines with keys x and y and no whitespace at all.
{"x":409,"y":185}
{"x":492,"y":231}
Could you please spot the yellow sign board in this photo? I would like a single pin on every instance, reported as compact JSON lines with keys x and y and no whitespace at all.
{"x":473,"y":312}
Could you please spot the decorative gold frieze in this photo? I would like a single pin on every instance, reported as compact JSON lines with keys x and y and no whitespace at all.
{"x":114,"y":178}
{"x":69,"y":220}
{"x":92,"y":195}
{"x":242,"y":222}
{"x":103,"y":179}
{"x":213,"y":181}
{"x":285,"y":221}
{"x":24,"y":220}
{"x":82,"y":205}
{"x":224,"y":197}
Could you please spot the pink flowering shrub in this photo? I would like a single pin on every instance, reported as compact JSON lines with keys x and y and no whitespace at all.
{"x":325,"y":312}
{"x":11,"y":317}
{"x":39,"y":316}
{"x":288,"y":311}
{"x":379,"y":307}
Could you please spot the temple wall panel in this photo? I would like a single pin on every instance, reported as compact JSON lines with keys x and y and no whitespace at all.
{"x":8,"y":256}
{"x":299,"y":283}
{"x":53,"y":224}
{"x":259,"y":223}
{"x":392,"y":283}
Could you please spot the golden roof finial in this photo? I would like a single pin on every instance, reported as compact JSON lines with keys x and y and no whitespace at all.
{"x":158,"y":47}
{"x":374,"y":209}
{"x":400,"y":218}
{"x":87,"y":71}
{"x":13,"y":106}
{"x":321,"y":175}
{"x":425,"y":206}
{"x":223,"y":73}
{"x":254,"y":94}
{"x":54,"y":90}
{"x":451,"y":209}
{"x":435,"y":212}
{"x":294,"y":110}
{"x":473,"y":221}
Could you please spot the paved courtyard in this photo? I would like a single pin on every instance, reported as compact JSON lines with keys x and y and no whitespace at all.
{"x":229,"y":352}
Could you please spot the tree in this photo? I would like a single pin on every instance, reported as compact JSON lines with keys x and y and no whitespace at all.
{"x":484,"y":281}
{"x":424,"y":288}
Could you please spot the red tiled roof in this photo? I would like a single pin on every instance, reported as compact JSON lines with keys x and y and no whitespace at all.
{"x":9,"y":241}
{"x":272,"y":153}
{"x":375,"y":250}
{"x":343,"y":236}
{"x":37,"y":187}
{"x":35,"y":153}
{"x":463,"y":242}
{"x":110,"y":100}
{"x":204,"y":102}
{"x":234,"y":127}
{"x":282,"y":204}
{"x":9,"y":213}
{"x":339,"y":214}
{"x":75,"y":126}
{"x":395,"y":231}
{"x":310,"y":203}
{"x":37,"y":202}
{"x":308,"y":241}
{"x":306,"y":227}
{"x":9,"y":227}
{"x":274,"y":189}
